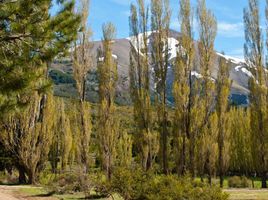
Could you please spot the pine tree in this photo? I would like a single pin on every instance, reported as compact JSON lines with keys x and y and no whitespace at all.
{"x":108,"y":124}
{"x":140,"y":81}
{"x":82,"y":64}
{"x":29,"y":38}
{"x":160,"y":21}
{"x":254,"y":51}
{"x":223,"y":92}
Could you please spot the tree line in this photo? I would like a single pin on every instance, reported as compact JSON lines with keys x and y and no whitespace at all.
{"x":202,"y":134}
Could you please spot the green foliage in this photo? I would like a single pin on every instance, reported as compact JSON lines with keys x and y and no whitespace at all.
{"x":59,"y":77}
{"x":160,"y":23}
{"x":139,"y":74}
{"x":108,"y":124}
{"x":240,"y":143}
{"x":254,"y":55}
{"x":28,"y":135}
{"x":147,"y":186}
{"x":128,"y":184}
{"x":223,"y":92}
{"x":239,"y":182}
{"x":28,"y":41}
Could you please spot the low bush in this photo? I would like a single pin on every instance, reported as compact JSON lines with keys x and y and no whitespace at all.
{"x":70,"y":183}
{"x":239,"y":182}
{"x":136,"y":185}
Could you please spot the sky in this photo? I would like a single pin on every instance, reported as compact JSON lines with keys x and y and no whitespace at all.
{"x":229,"y":15}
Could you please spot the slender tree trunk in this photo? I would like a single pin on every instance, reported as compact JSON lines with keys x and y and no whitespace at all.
{"x":221,"y":163}
{"x":182,"y":168}
{"x":192,"y":155}
{"x":149,"y":160}
{"x":164,"y":150}
{"x":109,"y":168}
{"x":263,"y":180}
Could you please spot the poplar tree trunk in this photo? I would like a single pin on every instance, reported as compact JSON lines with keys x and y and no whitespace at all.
{"x":22,"y":177}
{"x":221,"y":163}
{"x":182,"y":165}
{"x":192,"y":161}
{"x":32,"y":178}
{"x":164,"y":150}
{"x":263,"y":180}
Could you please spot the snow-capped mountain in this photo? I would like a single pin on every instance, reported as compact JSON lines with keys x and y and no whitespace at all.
{"x":62,"y":71}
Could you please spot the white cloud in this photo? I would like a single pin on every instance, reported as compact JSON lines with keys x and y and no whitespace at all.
{"x":122,"y":2}
{"x":231,"y":30}
{"x":128,"y":2}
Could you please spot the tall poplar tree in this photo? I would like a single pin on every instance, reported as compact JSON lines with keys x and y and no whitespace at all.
{"x":183,"y":90}
{"x":240,"y":142}
{"x":254,"y":55}
{"x":160,"y":21}
{"x":140,"y":81}
{"x":108,"y":130}
{"x":28,"y":135}
{"x":82,"y":64}
{"x":223,"y":92}
{"x":207,"y":35}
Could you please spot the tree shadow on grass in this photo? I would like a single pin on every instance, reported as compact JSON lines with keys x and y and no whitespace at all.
{"x":49,"y":194}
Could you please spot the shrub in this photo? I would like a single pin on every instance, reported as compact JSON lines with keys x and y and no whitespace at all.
{"x":70,"y":182}
{"x":238,"y":182}
{"x":129,"y":184}
{"x":173,"y":188}
{"x":136,"y":184}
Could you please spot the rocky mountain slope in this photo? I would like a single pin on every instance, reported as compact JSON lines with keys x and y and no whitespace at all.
{"x":61,"y":73}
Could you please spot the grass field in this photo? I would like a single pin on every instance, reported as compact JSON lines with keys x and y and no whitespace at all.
{"x":235,"y":194}
{"x":41,"y":192}
{"x":247,"y":194}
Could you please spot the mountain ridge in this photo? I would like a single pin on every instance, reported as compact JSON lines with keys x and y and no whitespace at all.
{"x":239,"y":72}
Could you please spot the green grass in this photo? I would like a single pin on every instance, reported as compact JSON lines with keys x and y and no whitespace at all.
{"x":247,"y":194}
{"x":257,"y":182}
{"x":41,"y":192}
{"x":235,"y":194}
{"x":34,"y":191}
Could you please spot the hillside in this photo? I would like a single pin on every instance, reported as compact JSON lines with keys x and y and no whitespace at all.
{"x":61,"y":72}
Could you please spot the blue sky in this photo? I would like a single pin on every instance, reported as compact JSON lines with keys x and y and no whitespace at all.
{"x":229,"y":14}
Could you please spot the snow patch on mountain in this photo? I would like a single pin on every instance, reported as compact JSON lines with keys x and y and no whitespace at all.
{"x":232,"y":59}
{"x":237,"y":68}
{"x":247,"y":72}
{"x":196,"y":74}
{"x":101,"y":59}
{"x":138,"y":43}
{"x":114,"y":56}
{"x":172,"y":45}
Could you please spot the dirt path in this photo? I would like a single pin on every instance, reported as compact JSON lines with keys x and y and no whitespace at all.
{"x":13,"y":193}
{"x":8,"y":193}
